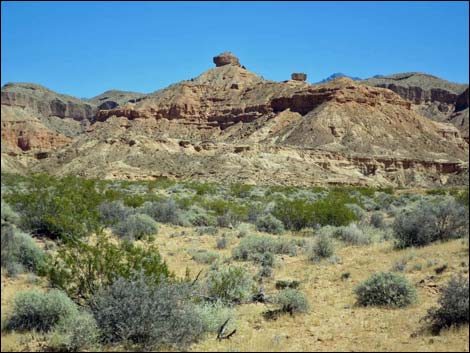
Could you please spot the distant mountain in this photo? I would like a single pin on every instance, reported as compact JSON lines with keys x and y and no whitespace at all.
{"x":338,"y":75}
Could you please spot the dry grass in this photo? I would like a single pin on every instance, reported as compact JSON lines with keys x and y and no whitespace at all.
{"x":334,"y":323}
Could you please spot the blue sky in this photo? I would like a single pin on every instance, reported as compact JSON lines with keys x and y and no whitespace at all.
{"x":85,"y":48}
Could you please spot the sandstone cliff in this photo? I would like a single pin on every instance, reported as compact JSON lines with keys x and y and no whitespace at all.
{"x":230,"y":124}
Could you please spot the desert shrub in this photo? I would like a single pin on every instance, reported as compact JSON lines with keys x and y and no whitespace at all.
{"x":400,"y":265}
{"x":112,"y":212}
{"x":53,"y":207}
{"x":222,"y":242}
{"x":243,"y":230}
{"x":198,"y":217}
{"x":229,"y":220}
{"x":385,"y":289}
{"x":330,"y":210}
{"x":82,"y":268}
{"x":40,"y":311}
{"x":136,"y":226}
{"x":358,"y":211}
{"x":292,"y":301}
{"x":377,"y":220}
{"x":19,"y":252}
{"x":453,"y":307}
{"x":203,"y":256}
{"x":295,"y":214}
{"x":164,"y":211}
{"x":133,"y":310}
{"x":215,"y":314}
{"x":207,"y":230}
{"x":322,"y":248}
{"x":228,"y":213}
{"x":265,"y":271}
{"x":269,"y":224}
{"x":283,"y":284}
{"x":352,"y":235}
{"x":254,"y":248}
{"x":463,"y":197}
{"x":8,"y":215}
{"x":229,"y":284}
{"x":74,"y":333}
{"x":430,"y":221}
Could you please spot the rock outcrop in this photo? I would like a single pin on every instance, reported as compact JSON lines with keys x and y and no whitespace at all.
{"x":432,"y":97}
{"x":226,"y":58}
{"x":296,"y":76}
{"x":44,"y":102}
{"x":233,"y":125}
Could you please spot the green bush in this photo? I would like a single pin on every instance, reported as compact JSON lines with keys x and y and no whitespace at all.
{"x":81,"y":268}
{"x":269,"y":224}
{"x":74,"y":333}
{"x":386,"y":289}
{"x":331,"y":210}
{"x":229,"y":284}
{"x":58,"y":208}
{"x":133,"y":310}
{"x":295,"y":214}
{"x":20,"y":252}
{"x":254,"y":248}
{"x":453,"y":307}
{"x":136,"y":226}
{"x":430,"y":221}
{"x":292,"y":301}
{"x":40,"y":311}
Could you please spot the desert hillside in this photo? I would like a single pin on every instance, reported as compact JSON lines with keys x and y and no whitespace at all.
{"x":231,"y":123}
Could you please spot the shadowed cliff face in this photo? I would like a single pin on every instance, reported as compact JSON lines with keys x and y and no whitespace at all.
{"x":231,"y":124}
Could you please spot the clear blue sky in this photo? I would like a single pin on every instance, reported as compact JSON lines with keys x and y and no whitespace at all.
{"x":85,"y":48}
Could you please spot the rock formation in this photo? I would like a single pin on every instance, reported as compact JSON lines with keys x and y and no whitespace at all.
{"x":230,"y":124}
{"x":299,"y":76}
{"x":226,"y":58}
{"x":431,"y":96}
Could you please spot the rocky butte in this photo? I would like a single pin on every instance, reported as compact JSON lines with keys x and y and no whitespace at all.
{"x":231,"y":125}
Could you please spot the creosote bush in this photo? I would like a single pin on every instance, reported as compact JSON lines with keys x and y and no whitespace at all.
{"x":385,"y":289}
{"x":136,"y":226}
{"x":40,"y":311}
{"x":453,"y":307}
{"x":82,"y":268}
